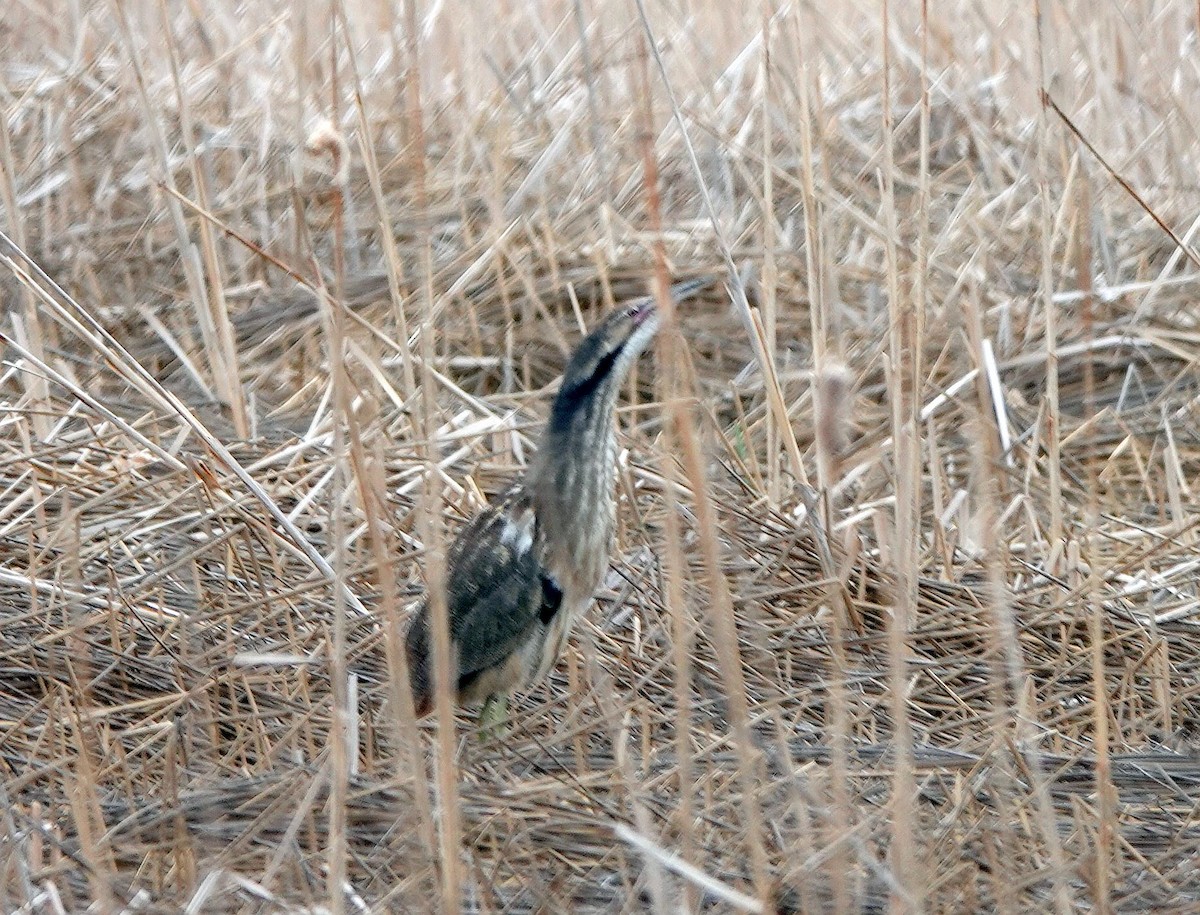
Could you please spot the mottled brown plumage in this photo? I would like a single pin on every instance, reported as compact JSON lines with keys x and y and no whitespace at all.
{"x":521,"y":572}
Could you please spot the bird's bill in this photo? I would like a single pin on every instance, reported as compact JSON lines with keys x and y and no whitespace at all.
{"x":642,"y":310}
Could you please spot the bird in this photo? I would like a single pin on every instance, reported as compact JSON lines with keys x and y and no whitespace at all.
{"x":522,"y":572}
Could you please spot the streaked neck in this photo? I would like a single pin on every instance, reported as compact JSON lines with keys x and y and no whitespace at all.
{"x":573,"y":472}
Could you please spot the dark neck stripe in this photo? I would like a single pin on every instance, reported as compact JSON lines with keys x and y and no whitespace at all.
{"x":569,"y":400}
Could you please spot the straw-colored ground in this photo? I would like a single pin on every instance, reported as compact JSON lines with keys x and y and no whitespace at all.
{"x":932,"y":646}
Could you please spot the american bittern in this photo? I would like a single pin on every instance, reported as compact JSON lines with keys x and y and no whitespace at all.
{"x":525,"y":568}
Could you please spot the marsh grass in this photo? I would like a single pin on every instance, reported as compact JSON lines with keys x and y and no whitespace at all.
{"x":902,"y":614}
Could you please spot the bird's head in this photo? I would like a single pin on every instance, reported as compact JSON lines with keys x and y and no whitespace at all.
{"x":600,"y":363}
{"x":578,"y":443}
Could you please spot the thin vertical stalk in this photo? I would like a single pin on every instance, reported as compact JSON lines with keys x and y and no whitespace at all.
{"x":671,"y":397}
{"x":222,"y":373}
{"x":721,"y":617}
{"x":1062,"y":896}
{"x":39,"y":388}
{"x":340,"y":759}
{"x":224,"y":357}
{"x":825,"y":341}
{"x":903,"y":387}
{"x":1046,"y":290}
{"x":368,"y":474}
{"x":430,"y":521}
{"x":1106,"y":840}
{"x":769,"y":269}
{"x":391,"y":257}
{"x":813,"y":248}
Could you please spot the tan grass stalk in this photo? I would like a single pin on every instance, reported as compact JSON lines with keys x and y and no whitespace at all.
{"x":720,"y":614}
{"x":903,"y":382}
{"x":223,"y":374}
{"x":38,"y":391}
{"x":446,"y":768}
{"x":770,"y":275}
{"x":224,"y":357}
{"x":343,"y":755}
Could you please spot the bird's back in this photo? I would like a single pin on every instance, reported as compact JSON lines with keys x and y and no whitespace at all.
{"x":496,"y":598}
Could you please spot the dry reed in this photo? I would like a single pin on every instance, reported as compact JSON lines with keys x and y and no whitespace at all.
{"x":903,"y":614}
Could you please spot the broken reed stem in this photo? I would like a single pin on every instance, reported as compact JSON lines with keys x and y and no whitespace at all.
{"x":830,"y":401}
{"x":343,"y":756}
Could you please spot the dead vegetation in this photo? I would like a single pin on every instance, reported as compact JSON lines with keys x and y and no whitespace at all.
{"x":937,"y":651}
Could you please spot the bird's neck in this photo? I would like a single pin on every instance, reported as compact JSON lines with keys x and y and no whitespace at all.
{"x":573,"y":473}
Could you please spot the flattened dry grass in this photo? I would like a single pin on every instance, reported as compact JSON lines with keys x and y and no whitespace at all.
{"x":935,"y":648}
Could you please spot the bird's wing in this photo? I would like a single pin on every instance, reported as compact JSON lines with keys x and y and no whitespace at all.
{"x":496,"y":591}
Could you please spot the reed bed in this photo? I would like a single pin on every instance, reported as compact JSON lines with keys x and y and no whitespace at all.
{"x":903,"y":614}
